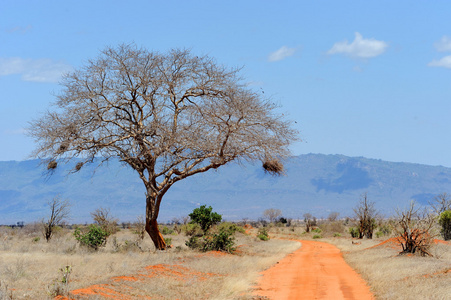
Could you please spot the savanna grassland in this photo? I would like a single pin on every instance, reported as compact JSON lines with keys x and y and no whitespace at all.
{"x":129,"y":268}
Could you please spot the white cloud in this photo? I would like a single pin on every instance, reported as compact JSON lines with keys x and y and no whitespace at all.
{"x":20,"y":29}
{"x":444,"y":44}
{"x":19,"y":131}
{"x":360,"y":47}
{"x":282,"y":53}
{"x":37,"y":70}
{"x":443,"y":62}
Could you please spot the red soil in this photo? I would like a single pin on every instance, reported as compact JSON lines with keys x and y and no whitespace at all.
{"x":393,"y":243}
{"x":315,"y":271}
{"x":117,"y":287}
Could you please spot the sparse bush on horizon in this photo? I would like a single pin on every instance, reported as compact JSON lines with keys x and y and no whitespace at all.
{"x":445,"y":223}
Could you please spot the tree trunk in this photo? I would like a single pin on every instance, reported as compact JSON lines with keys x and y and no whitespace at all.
{"x":152,"y":209}
{"x":155,"y":234}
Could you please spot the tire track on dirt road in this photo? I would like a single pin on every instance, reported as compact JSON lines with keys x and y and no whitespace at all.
{"x":317,"y":270}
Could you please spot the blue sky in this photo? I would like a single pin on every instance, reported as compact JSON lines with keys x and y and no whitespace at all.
{"x":360,"y":78}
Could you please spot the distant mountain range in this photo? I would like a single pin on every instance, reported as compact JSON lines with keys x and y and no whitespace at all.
{"x":313,"y":183}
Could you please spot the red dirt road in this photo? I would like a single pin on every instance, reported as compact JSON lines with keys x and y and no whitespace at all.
{"x":315,"y":271}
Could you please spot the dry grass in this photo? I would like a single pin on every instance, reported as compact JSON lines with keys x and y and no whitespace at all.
{"x":393,"y":276}
{"x":31,"y":268}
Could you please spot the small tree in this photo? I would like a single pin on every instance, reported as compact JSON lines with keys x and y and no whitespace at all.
{"x":445,"y":222}
{"x":103,"y":218}
{"x":272,"y":214}
{"x":413,"y":228}
{"x":59,"y":211}
{"x":140,"y":227}
{"x":205,"y":217}
{"x":309,"y":221}
{"x":333,"y":216}
{"x":441,"y":203}
{"x":93,"y":238}
{"x":366,"y":214}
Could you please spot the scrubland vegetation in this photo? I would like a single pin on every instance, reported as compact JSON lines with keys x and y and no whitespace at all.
{"x":212,"y":259}
{"x":31,"y":268}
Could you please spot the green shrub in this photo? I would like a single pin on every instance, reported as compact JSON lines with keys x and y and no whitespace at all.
{"x":192,"y":230}
{"x":445,"y":221}
{"x":354,"y":232}
{"x":194,"y":242}
{"x":336,"y":234}
{"x":263,"y":234}
{"x":384,"y":230}
{"x":232,"y":227}
{"x":379,"y":234}
{"x":36,"y":239}
{"x":221,"y":241}
{"x":168,"y":241}
{"x":94,"y":238}
{"x":205,"y":217}
{"x":165,"y":230}
{"x":317,"y":236}
{"x":316,"y":230}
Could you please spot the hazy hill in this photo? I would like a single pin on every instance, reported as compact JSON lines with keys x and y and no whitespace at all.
{"x":313,"y":183}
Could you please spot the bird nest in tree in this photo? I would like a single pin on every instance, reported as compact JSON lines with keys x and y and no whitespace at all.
{"x":273,"y":167}
{"x":52,"y":165}
{"x":78,"y":166}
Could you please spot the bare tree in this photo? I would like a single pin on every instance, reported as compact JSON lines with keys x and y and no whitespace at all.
{"x":272,"y":214}
{"x":441,"y":203}
{"x":333,"y":216}
{"x":366,"y":215}
{"x":59,"y":212}
{"x":309,"y":221}
{"x":414,"y":230}
{"x":102,"y":216}
{"x":140,"y":227}
{"x":167,"y":116}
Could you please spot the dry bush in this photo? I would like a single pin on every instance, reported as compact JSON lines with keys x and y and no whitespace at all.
{"x":366,"y":214}
{"x":102,"y":216}
{"x":414,"y":230}
{"x":309,"y":221}
{"x":140,"y":227}
{"x":59,"y":212}
{"x":331,"y":228}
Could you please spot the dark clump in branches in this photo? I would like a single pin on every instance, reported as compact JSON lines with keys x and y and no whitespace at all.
{"x":168,"y":116}
{"x":52,"y":165}
{"x":273,"y":167}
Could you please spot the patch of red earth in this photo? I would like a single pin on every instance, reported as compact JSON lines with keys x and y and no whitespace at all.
{"x":103,"y":291}
{"x":124,"y":278}
{"x":247,"y":228}
{"x":176,"y":272}
{"x":443,"y":272}
{"x":217,"y":253}
{"x":442,"y":242}
{"x":240,"y":250}
{"x":115,"y":290}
